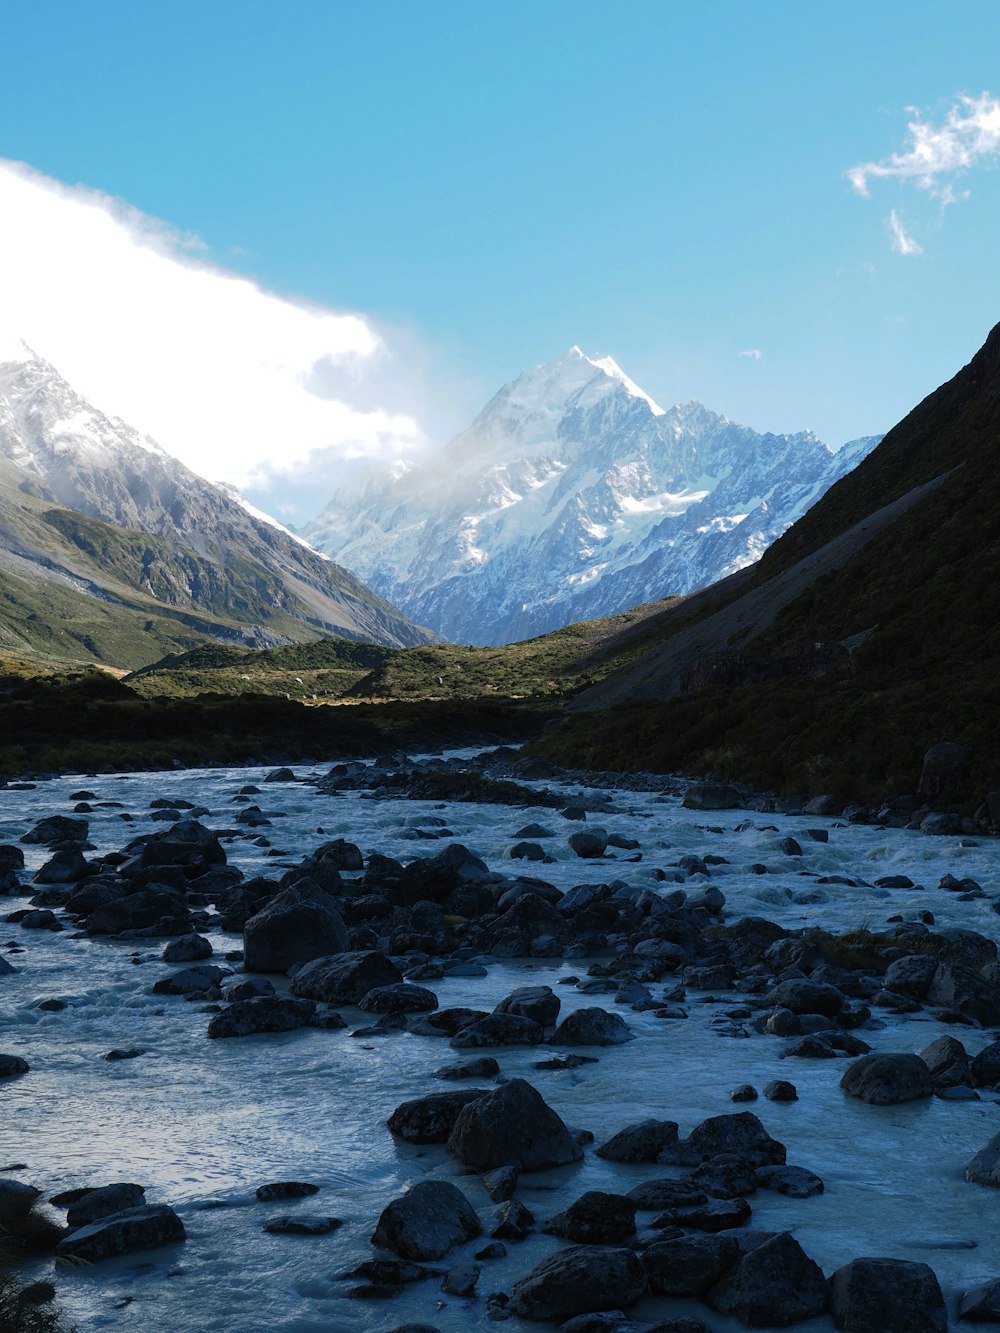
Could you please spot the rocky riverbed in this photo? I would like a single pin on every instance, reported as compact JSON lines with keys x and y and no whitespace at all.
{"x":439,"y":1044}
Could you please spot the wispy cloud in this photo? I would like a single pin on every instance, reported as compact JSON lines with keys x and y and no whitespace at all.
{"x":968,"y":137}
{"x":753,"y":353}
{"x":237,"y":382}
{"x":901,"y":242}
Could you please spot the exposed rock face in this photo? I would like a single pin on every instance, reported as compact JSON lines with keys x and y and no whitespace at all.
{"x":581,"y":1278}
{"x":430,"y":1219}
{"x":512,"y":1126}
{"x":887,"y":1080}
{"x":300,"y":924}
{"x":870,"y":1294}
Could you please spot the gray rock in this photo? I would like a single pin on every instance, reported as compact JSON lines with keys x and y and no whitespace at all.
{"x":501,"y":1183}
{"x":642,"y":1142}
{"x":399,"y":998}
{"x":775,"y":1285}
{"x":981,"y":1305}
{"x":187,"y":949}
{"x":430,"y":1219}
{"x":56,"y":828}
{"x":739,"y":1132}
{"x":911,"y":975}
{"x":887,"y":1080}
{"x":958,"y":987}
{"x":498,"y":1030}
{"x":431,"y":1119}
{"x":712,"y":796}
{"x":461,"y":1281}
{"x":512,"y":1126}
{"x":985,"y":1067}
{"x":513,"y":1221}
{"x":127,"y":1232}
{"x":807,"y":997}
{"x":795,"y":1181}
{"x":595,"y":1218}
{"x":689,"y":1265}
{"x":589,"y":843}
{"x":263,"y":1013}
{"x":591,"y":1027}
{"x":104,"y":1202}
{"x":578,"y":1280}
{"x":301,"y":924}
{"x":285,"y":1189}
{"x":190,"y":981}
{"x":881,"y":1294}
{"x":984,"y":1168}
{"x":301,"y":1224}
{"x":16,"y":1199}
{"x":13,"y":1065}
{"x":539,"y":1003}
{"x":780,"y":1090}
{"x":654,"y":1196}
{"x":344,"y":978}
{"x":728,"y":1176}
{"x":948,"y":1063}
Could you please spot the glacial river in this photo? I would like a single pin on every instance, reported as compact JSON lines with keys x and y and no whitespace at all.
{"x":202,"y":1123}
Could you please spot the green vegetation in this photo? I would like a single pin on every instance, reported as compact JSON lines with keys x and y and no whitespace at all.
{"x":550,"y":667}
{"x":88,"y":721}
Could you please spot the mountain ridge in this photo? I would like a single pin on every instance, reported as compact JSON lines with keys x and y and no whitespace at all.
{"x":573,"y":495}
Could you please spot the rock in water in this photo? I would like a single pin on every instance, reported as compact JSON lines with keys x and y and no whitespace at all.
{"x":689,"y":1265}
{"x":591,"y":1027}
{"x":431,"y":1119}
{"x":512,"y":1126}
{"x":430,"y":1219}
{"x":887,"y":1080}
{"x":896,"y":1294}
{"x":775,"y":1285}
{"x":300,"y":924}
{"x":577,"y":1280}
{"x":642,"y":1142}
{"x":344,"y":978}
{"x":123,"y":1233}
{"x":596,"y":1218}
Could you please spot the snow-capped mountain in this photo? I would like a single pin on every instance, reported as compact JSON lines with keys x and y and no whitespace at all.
{"x":573,"y":495}
{"x":87,"y":501}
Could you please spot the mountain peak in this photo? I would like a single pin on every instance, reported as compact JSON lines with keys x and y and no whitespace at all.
{"x":608,"y":366}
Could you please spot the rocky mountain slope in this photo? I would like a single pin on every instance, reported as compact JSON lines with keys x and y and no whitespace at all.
{"x":571,"y":496}
{"x":865,"y":636}
{"x":99,"y":525}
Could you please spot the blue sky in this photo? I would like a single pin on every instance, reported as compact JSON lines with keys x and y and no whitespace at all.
{"x":488,"y":183}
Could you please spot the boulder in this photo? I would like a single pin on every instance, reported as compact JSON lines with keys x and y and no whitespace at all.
{"x":942,"y":769}
{"x":985,"y":1067}
{"x":539,"y":1003}
{"x":589,"y":843}
{"x":261,"y":1013}
{"x":13,"y":1065}
{"x":513,"y":1221}
{"x":431,"y":1119}
{"x":595,"y":1218}
{"x":104,"y":1202}
{"x":981,"y":1305}
{"x":431,"y":1218}
{"x":498,"y":1030}
{"x":399,"y":998}
{"x":16,"y":1200}
{"x":578,"y":1280}
{"x":728,"y":1176}
{"x":948,"y":1063}
{"x":190,"y":981}
{"x":795,"y":1181}
{"x":591,"y":1027}
{"x":881,"y":1294}
{"x":127,"y":1232}
{"x":772,"y":1286}
{"x":911,"y":975}
{"x":984,"y":1168}
{"x":641,"y":1142}
{"x":152,"y":911}
{"x":344,"y":978}
{"x":739,"y":1132}
{"x":512,"y":1126}
{"x":887,"y":1080}
{"x":711,"y":796}
{"x":301,"y":924}
{"x":807,"y":997}
{"x":689,"y":1265}
{"x":958,"y":987}
{"x":191,"y":948}
{"x":56,"y":828}
{"x":187,"y":844}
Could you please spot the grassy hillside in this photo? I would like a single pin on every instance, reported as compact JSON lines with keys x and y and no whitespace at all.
{"x":550,"y":667}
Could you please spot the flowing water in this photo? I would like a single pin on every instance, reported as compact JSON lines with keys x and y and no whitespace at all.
{"x":204,"y":1123}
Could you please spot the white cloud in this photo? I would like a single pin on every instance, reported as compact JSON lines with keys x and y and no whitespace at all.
{"x":754,"y":353}
{"x":968,"y":137}
{"x":238,"y":383}
{"x":901,"y":242}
